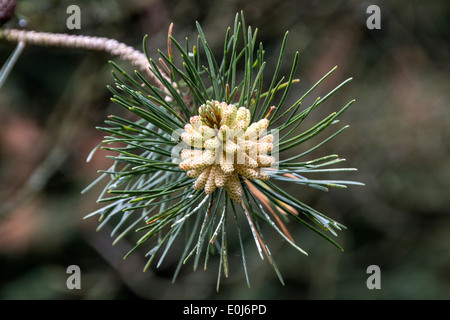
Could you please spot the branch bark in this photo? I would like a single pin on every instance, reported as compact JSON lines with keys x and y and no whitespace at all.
{"x":111,"y":46}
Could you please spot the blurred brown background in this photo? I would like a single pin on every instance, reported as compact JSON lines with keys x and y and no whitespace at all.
{"x":398,"y":139}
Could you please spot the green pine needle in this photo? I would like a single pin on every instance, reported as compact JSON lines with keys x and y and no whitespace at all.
{"x":148,"y":195}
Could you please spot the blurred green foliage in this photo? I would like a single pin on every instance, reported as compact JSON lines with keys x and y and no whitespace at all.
{"x":398,"y":138}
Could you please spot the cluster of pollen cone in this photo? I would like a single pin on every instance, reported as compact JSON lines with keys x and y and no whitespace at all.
{"x":223,"y":145}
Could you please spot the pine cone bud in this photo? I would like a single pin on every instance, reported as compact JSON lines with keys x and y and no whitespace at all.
{"x":226,"y":147}
{"x":7,"y":8}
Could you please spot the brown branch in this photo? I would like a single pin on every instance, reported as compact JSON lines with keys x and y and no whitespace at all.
{"x":111,"y":46}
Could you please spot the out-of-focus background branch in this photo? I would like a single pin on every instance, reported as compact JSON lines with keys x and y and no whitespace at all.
{"x":398,"y":139}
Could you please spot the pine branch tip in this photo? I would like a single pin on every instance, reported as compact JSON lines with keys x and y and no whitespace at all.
{"x":151,"y":105}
